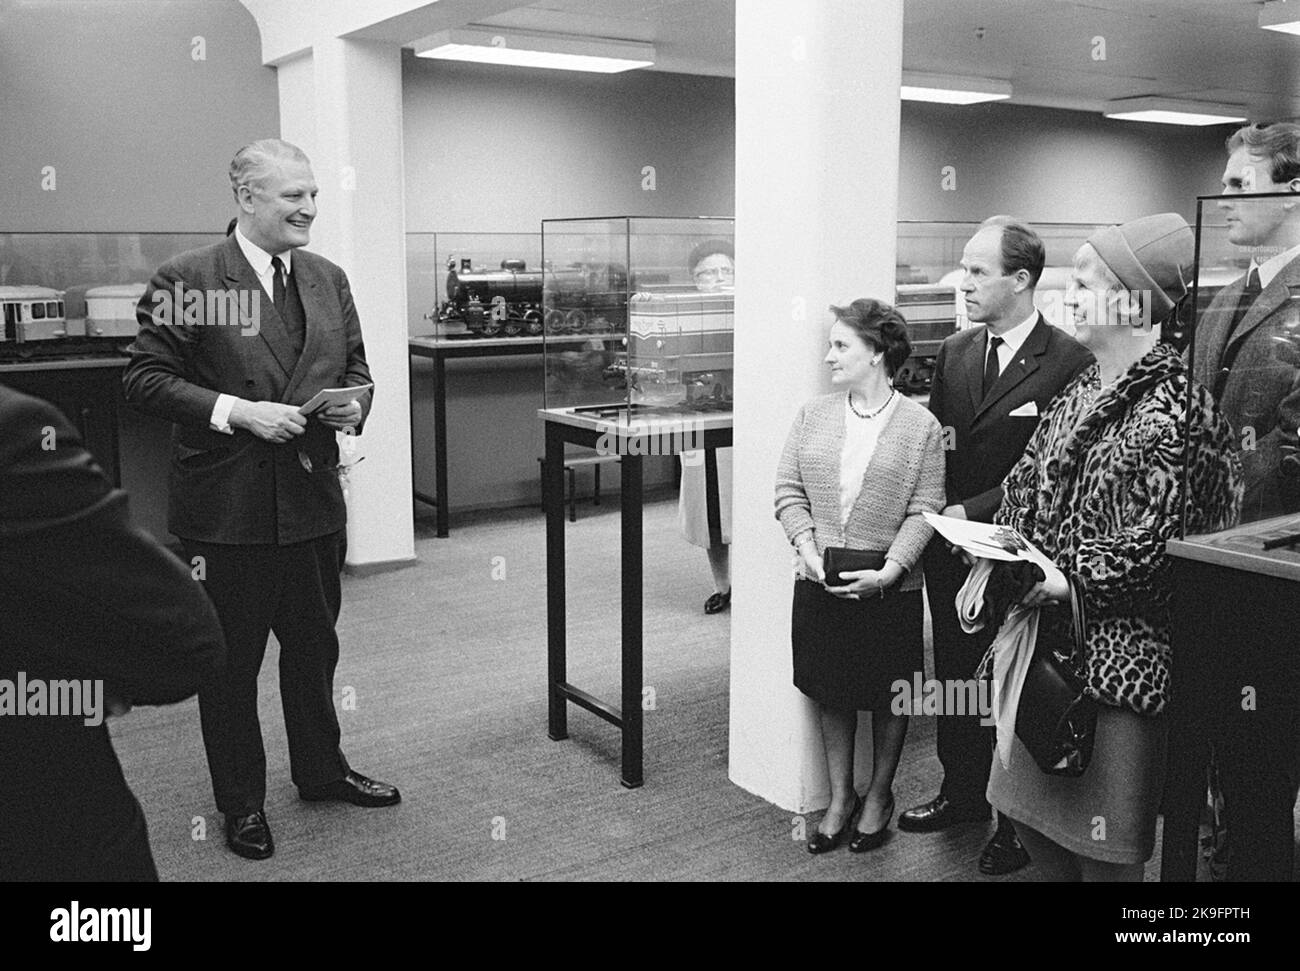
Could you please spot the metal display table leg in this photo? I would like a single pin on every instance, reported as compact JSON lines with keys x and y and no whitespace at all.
{"x":629,"y":718}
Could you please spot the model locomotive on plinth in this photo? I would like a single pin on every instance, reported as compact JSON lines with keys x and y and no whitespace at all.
{"x":514,"y":301}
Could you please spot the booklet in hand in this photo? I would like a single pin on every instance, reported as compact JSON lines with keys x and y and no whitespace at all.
{"x":333,"y":396}
{"x":985,"y":540}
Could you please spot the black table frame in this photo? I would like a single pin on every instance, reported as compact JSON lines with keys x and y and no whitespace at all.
{"x":629,"y":719}
{"x":1232,"y":626}
{"x":439,"y":350}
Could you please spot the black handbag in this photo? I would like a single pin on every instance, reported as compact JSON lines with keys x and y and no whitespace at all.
{"x":840,"y":559}
{"x":1056,"y":721}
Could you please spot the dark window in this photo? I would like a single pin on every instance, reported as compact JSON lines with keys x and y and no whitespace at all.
{"x":38,"y":311}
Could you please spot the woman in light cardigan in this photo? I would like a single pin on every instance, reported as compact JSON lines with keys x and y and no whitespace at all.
{"x":860,"y":467}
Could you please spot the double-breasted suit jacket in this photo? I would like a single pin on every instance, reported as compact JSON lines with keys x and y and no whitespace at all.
{"x":1261,"y":394}
{"x":239,"y":489}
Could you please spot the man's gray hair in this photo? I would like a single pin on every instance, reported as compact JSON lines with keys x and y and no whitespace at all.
{"x":250,"y":164}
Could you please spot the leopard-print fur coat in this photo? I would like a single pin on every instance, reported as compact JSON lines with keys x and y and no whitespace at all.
{"x":1099,"y":490}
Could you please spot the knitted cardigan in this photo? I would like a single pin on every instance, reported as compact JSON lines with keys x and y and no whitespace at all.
{"x":904,"y":479}
{"x":1100,"y":489}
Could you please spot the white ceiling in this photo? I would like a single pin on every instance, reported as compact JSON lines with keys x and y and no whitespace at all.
{"x":1208,"y":50}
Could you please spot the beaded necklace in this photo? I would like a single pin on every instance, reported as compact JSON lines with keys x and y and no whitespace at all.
{"x":872,"y":414}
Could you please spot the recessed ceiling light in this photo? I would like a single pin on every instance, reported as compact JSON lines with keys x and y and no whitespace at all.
{"x":951,"y":89}
{"x":1172,"y":111}
{"x":1281,"y":16}
{"x":561,"y":52}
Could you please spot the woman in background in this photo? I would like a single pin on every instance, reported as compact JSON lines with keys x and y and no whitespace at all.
{"x":713,"y":268}
{"x":861,"y":466}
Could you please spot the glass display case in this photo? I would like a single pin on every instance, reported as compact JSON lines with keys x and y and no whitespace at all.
{"x":1246,"y":351}
{"x":74,"y":294}
{"x":928,"y":275}
{"x":470,"y":286}
{"x":929,"y":257}
{"x":638,"y":314}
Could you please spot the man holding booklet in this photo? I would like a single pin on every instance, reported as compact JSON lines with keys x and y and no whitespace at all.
{"x":254,"y":491}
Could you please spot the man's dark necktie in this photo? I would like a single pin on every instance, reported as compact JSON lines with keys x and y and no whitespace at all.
{"x":1249,"y":294}
{"x":991,"y":368}
{"x":284,"y":293}
{"x":277,"y":288}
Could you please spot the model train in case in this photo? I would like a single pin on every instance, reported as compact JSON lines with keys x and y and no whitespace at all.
{"x":514,"y":301}
{"x":32,"y":314}
{"x":593,"y":298}
{"x":47,"y":323}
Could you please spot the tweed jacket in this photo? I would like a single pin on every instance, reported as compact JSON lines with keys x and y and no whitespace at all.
{"x":1100,"y":490}
{"x":903,"y":480}
{"x":1262,"y":392}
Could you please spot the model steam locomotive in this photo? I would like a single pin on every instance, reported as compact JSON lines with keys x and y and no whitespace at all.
{"x":513,"y":300}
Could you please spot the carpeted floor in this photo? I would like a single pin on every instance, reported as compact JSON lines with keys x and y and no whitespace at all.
{"x":442,"y":692}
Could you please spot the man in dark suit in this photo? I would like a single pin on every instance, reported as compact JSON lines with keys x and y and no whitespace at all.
{"x":990,"y":385}
{"x":1247,"y":341}
{"x":1246,"y":350}
{"x":254,"y":489}
{"x":94,"y":605}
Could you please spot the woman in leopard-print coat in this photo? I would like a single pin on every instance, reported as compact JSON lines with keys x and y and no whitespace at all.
{"x":1100,"y":490}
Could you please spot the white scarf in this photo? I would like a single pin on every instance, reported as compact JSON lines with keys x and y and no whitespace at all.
{"x":1011,"y":651}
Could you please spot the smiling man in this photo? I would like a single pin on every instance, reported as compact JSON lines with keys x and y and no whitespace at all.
{"x":990,"y":384}
{"x":254,"y":491}
{"x":1245,"y":348}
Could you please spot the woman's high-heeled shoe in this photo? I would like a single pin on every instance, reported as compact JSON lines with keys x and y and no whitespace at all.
{"x":819,"y":842}
{"x":863,"y":842}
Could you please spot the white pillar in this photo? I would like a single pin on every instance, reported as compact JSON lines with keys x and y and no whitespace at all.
{"x":817,"y":143}
{"x":342,"y":104}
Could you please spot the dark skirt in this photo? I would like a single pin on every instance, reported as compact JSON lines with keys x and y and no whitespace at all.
{"x":849,"y":653}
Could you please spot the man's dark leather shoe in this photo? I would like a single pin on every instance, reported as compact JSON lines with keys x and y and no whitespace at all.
{"x":939,"y":814}
{"x":249,"y":836}
{"x":356,"y":789}
{"x":1004,"y":854}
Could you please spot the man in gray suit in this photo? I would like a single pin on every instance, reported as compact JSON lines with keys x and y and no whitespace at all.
{"x":233,"y":338}
{"x":1247,"y":342}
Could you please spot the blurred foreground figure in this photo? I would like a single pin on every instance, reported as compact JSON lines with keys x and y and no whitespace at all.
{"x":95,"y":616}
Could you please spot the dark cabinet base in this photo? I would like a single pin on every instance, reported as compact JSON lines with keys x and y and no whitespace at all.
{"x":1236,"y":688}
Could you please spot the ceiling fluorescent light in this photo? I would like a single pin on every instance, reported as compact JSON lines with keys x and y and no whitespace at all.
{"x":1280,"y":15}
{"x":1170,"y":111}
{"x":558,"y":51}
{"x":952,"y":90}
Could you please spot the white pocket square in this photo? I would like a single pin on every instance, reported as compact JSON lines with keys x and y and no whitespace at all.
{"x":1028,"y":410}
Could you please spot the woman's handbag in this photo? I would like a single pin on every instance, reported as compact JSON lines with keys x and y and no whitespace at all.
{"x":840,"y":559}
{"x":1056,"y":721}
